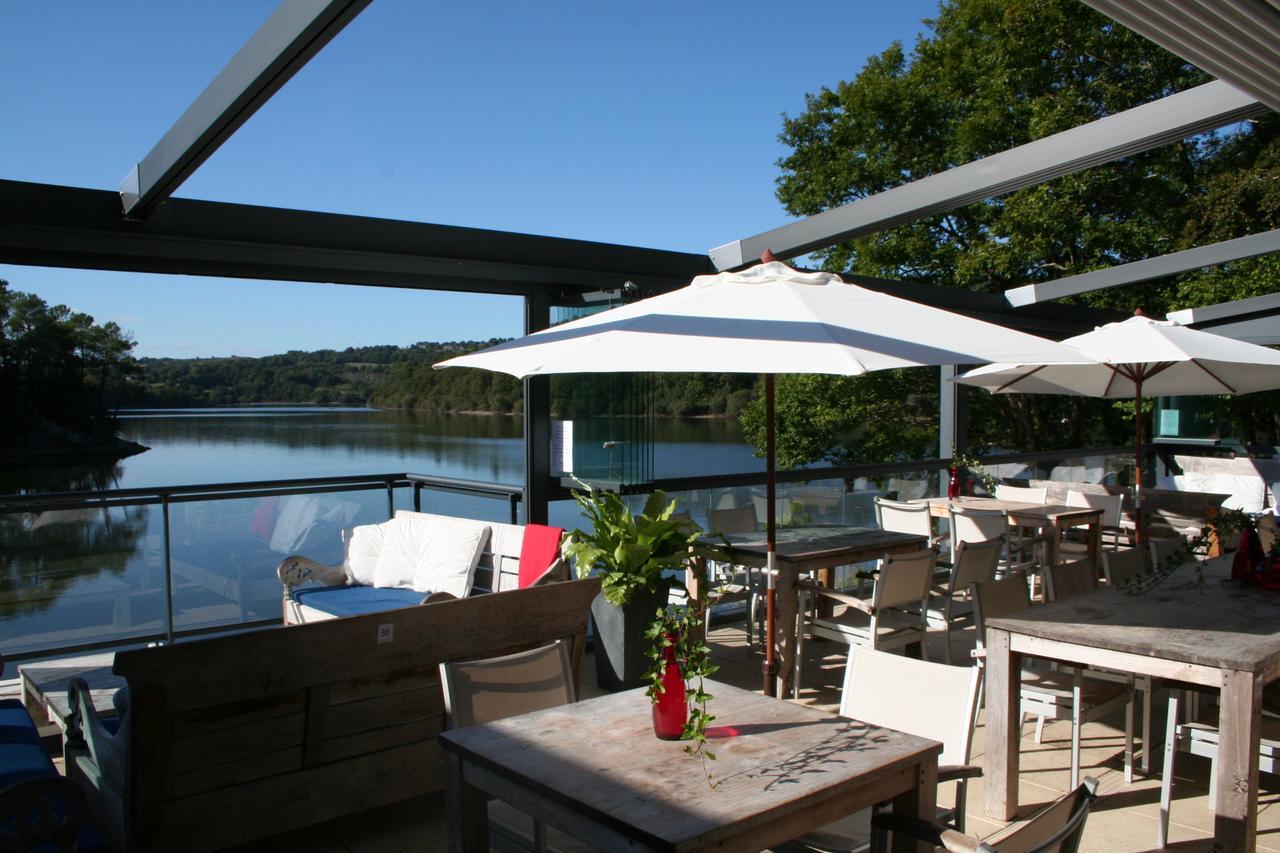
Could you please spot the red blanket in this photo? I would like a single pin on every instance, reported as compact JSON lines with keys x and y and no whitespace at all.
{"x":538,"y":551}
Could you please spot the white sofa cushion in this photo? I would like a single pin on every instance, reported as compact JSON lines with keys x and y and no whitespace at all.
{"x":427,"y":553}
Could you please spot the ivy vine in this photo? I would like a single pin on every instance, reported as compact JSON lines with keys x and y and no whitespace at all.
{"x":962,"y":459}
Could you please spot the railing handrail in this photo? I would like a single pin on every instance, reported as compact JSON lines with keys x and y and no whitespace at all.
{"x":143,"y":496}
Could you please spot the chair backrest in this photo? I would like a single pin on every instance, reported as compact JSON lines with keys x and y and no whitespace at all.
{"x":1121,"y":567}
{"x":904,"y":579}
{"x":1161,"y":548}
{"x":739,"y":519}
{"x":930,"y":700}
{"x":1022,"y":494}
{"x":1109,"y":504}
{"x":903,"y":517}
{"x":1056,"y":829}
{"x":975,"y":562}
{"x":998,"y":598}
{"x":481,"y":691}
{"x":1067,"y":579}
{"x":977,"y":525}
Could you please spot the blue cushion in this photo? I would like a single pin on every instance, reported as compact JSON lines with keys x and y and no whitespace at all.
{"x":357,"y":600}
{"x":22,"y":755}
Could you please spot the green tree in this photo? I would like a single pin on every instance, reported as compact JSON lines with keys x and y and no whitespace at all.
{"x":987,"y":76}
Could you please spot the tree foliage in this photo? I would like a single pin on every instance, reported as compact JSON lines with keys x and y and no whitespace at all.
{"x":990,"y":75}
{"x":57,"y":366}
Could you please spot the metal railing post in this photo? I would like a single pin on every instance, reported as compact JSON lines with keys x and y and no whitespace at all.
{"x":391,"y":499}
{"x":417,"y":496}
{"x":515,"y":509}
{"x":168,"y":572}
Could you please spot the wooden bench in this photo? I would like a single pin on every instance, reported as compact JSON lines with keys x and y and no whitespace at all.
{"x":245,"y":736}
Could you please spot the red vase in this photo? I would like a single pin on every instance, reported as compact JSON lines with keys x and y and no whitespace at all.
{"x":953,"y":487}
{"x":671,"y":706}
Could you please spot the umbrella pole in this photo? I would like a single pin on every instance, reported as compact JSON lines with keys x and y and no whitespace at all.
{"x":770,"y":666}
{"x":1138,"y":533}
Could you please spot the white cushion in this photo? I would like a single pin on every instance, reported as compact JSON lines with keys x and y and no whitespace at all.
{"x":427,"y":553}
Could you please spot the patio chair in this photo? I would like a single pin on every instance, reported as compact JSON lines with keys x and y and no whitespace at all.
{"x":1022,"y":494}
{"x":982,"y":525}
{"x":1054,"y":694}
{"x":975,"y":563}
{"x":1201,"y":738}
{"x":736,"y":583}
{"x":1123,"y":567}
{"x":481,"y":691}
{"x":1056,"y":829}
{"x":929,"y":700}
{"x":1164,"y":548}
{"x":880,"y":623}
{"x":1067,"y":579}
{"x":1111,"y":506}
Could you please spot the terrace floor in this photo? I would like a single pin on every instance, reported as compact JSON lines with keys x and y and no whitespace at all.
{"x":1123,"y":819}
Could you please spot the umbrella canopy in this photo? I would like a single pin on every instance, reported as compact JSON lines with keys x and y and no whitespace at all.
{"x":768,"y":319}
{"x":1135,"y":357}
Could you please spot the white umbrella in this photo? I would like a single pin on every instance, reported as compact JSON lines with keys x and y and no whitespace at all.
{"x":767,"y":319}
{"x":1140,"y":356}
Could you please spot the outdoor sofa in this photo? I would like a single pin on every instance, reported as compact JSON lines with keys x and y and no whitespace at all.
{"x":419,"y":558}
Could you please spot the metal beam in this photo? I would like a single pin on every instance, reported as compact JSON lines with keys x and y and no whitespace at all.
{"x":1139,"y":129}
{"x":537,"y":424}
{"x":1263,"y":331}
{"x":294,"y":33}
{"x":1152,"y":268}
{"x":44,"y":225}
{"x":1225,"y":310}
{"x":1235,"y":40}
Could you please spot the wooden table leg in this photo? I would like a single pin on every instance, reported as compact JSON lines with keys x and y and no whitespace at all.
{"x":921,"y":802}
{"x":1235,"y":821}
{"x":1051,"y":545}
{"x":467,"y":808}
{"x":786,"y":607}
{"x":1003,"y":723}
{"x":1095,"y":548}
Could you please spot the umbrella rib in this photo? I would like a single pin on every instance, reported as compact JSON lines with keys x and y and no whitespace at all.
{"x":1213,"y":376}
{"x":1018,"y":379}
{"x":1115,"y":371}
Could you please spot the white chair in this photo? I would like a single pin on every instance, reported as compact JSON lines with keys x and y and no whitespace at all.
{"x":975,"y":562}
{"x":929,"y":700}
{"x":481,"y":691}
{"x":906,"y":517}
{"x":1022,"y":494}
{"x":880,"y":623}
{"x":1201,"y":738}
{"x":736,"y":583}
{"x":1124,"y":567}
{"x":1054,"y":694}
{"x":982,"y":525}
{"x":1111,"y":506}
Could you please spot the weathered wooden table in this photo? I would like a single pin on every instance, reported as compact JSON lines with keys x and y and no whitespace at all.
{"x":1051,"y":519}
{"x":595,"y":770}
{"x":801,"y":550}
{"x":1217,"y":636}
{"x":44,"y":686}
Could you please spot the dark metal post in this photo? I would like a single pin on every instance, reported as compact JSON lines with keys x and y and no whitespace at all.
{"x":770,"y":666}
{"x":391,"y":499}
{"x":515,"y":509}
{"x":417,"y":497}
{"x":168,"y":572}
{"x":537,"y":421}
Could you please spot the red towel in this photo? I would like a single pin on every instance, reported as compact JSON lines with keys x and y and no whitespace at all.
{"x":538,"y":551}
{"x":263,"y":520}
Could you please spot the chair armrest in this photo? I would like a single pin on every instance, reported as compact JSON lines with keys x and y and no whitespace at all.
{"x":955,"y":772}
{"x":843,"y":598}
{"x":932,"y":833}
{"x":554,"y":573}
{"x":437,"y":597}
{"x":110,"y":751}
{"x":295,"y":571}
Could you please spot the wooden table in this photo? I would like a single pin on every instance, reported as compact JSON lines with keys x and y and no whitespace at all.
{"x":1052,"y":519}
{"x":1217,"y":636}
{"x":44,"y":686}
{"x":805,"y":549}
{"x":595,"y":770}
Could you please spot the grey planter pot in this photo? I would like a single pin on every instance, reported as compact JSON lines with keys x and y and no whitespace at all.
{"x":621,"y":649}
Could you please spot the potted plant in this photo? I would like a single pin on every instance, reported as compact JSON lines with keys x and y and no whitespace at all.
{"x":635,"y":556}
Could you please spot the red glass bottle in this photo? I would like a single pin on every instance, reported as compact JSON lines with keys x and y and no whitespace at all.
{"x":953,"y":487}
{"x":671,"y":706}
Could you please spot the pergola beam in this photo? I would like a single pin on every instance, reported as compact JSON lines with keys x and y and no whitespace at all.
{"x":1123,"y":134}
{"x":1235,"y":40}
{"x":294,"y":33}
{"x":44,"y":225}
{"x":1147,"y":270}
{"x":1269,"y":302}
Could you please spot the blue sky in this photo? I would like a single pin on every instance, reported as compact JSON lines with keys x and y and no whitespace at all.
{"x":649,"y":124}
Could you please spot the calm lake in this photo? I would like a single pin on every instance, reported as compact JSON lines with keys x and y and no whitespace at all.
{"x":69,"y":578}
